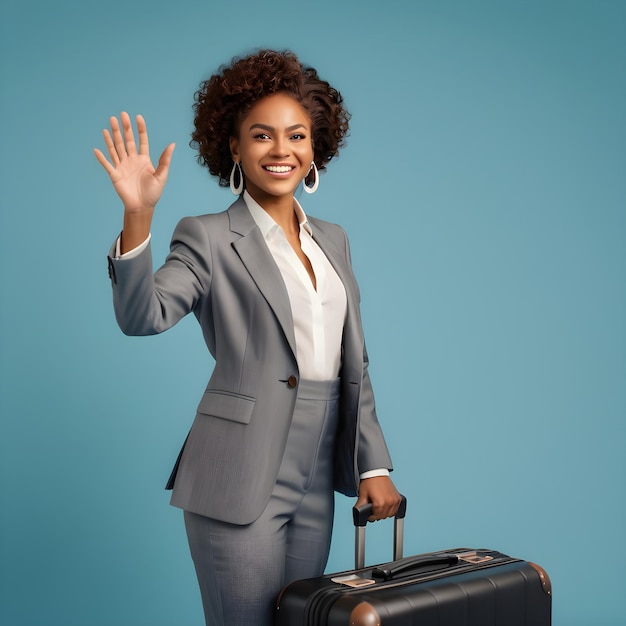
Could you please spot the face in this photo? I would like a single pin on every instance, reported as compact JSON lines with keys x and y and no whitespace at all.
{"x":274,"y":147}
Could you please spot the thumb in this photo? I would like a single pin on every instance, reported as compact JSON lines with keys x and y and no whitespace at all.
{"x":165,"y":160}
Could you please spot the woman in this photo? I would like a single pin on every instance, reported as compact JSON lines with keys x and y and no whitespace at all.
{"x":288,"y":414}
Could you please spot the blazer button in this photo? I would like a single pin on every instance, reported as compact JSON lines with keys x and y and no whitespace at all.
{"x":292,"y":381}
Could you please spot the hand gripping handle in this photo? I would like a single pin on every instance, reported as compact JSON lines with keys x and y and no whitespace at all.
{"x":360,"y":516}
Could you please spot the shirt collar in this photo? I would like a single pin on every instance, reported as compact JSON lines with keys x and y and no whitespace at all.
{"x":266,"y":223}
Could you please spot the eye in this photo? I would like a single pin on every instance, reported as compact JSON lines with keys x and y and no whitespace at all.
{"x":262,"y":136}
{"x":298,"y":136}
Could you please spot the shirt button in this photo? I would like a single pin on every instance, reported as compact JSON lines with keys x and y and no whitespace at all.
{"x":292,"y":381}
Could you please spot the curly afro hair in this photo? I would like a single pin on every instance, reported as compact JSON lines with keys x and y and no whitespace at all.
{"x":223,"y":101}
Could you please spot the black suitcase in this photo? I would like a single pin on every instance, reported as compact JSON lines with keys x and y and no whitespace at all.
{"x":460,"y":587}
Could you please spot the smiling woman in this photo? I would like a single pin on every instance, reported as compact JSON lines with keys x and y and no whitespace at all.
{"x":288,"y":415}
{"x":227,"y":97}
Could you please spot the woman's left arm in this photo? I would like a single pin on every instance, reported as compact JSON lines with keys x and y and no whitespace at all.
{"x":379,"y":490}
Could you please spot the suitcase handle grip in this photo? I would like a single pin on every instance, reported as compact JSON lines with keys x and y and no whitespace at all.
{"x":408,"y":565}
{"x":363,"y":513}
{"x":360,"y":516}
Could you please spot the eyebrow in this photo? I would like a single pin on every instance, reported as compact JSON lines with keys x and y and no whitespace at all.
{"x":271,"y":128}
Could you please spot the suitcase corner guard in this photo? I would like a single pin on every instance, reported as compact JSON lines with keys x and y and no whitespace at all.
{"x":364,"y":614}
{"x":546,"y":583}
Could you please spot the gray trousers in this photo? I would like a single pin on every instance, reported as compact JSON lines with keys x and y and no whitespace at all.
{"x":241,"y":569}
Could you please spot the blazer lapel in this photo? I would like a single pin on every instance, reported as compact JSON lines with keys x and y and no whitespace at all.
{"x":258,"y":260}
{"x":337,"y":260}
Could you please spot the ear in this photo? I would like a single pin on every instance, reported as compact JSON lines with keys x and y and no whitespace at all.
{"x":234,"y":148}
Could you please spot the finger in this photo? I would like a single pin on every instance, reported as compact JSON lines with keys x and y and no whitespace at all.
{"x":108,"y":142}
{"x":118,"y":140}
{"x":129,"y":137}
{"x":142,"y":131}
{"x":103,"y":161}
{"x":390,"y":509}
{"x":163,"y":167}
{"x":378,"y":512}
{"x":385,"y":508}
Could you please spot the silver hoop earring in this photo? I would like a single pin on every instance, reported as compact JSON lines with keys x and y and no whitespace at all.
{"x":236,"y":188}
{"x":315,"y":185}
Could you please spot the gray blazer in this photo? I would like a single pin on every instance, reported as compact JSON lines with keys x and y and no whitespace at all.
{"x":219,"y":268}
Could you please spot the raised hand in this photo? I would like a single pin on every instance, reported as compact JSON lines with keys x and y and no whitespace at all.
{"x":136,"y":181}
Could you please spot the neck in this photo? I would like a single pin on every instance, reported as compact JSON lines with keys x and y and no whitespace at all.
{"x":280,"y":209}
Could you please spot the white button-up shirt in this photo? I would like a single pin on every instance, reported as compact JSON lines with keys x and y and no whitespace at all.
{"x":319,"y":311}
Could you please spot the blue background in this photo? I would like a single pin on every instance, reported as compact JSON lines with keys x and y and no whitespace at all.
{"x":484,"y":191}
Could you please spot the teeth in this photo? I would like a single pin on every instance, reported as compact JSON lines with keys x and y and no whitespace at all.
{"x":278,"y":169}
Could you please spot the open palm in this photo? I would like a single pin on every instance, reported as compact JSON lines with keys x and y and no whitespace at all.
{"x":136,"y":181}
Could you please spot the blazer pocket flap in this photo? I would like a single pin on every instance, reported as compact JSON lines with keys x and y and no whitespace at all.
{"x":228,"y":406}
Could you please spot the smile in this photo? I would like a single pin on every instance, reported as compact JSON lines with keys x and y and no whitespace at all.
{"x":278,"y":169}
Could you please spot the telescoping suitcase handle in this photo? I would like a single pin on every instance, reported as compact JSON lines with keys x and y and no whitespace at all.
{"x":360,"y":516}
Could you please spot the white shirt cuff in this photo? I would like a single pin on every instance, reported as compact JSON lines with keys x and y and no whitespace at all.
{"x":374,"y":473}
{"x":131,"y":253}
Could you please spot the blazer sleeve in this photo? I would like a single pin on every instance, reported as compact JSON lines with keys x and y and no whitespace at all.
{"x":148,"y":303}
{"x":372,"y":451}
{"x":371,"y":448}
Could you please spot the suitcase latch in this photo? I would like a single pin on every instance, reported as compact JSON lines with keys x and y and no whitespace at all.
{"x":474,"y":558}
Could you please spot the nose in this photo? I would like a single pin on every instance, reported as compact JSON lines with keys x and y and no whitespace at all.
{"x":280,"y":147}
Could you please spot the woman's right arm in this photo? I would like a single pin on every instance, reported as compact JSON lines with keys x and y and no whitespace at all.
{"x":141,"y":306}
{"x":136,"y":181}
